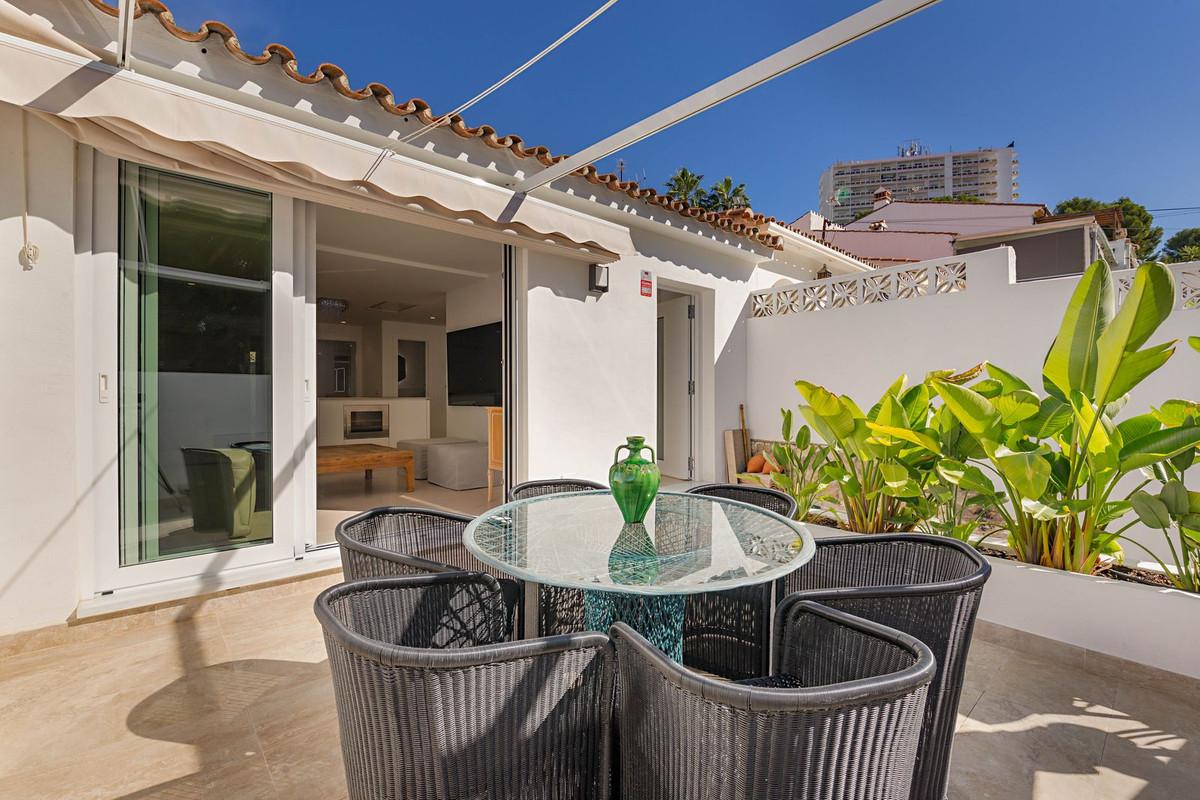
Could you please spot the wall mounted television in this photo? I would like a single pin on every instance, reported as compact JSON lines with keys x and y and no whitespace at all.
{"x":473,"y":366}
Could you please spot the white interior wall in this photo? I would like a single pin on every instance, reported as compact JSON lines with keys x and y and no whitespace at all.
{"x":860,"y":350}
{"x":434,"y":337}
{"x":42,"y":494}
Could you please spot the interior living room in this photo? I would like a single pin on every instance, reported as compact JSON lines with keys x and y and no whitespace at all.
{"x":408,"y":361}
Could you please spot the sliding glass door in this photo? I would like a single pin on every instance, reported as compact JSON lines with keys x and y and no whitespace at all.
{"x":195,"y":405}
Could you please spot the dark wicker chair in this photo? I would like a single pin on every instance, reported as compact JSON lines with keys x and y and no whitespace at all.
{"x":726,"y":633}
{"x":846,"y":726}
{"x":393,"y":541}
{"x":927,"y":586}
{"x":432,"y":704}
{"x":559,"y":610}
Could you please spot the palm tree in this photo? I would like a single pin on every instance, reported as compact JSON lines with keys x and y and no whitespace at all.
{"x":724,"y":196}
{"x":685,"y":185}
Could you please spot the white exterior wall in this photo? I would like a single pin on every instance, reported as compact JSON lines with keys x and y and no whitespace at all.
{"x":590,"y":364}
{"x":860,"y":350}
{"x":40,"y":490}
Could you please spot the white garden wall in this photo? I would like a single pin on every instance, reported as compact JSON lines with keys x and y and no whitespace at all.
{"x":969,"y":309}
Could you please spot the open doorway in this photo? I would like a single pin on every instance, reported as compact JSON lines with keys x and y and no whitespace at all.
{"x":676,"y":384}
{"x":409,"y":368}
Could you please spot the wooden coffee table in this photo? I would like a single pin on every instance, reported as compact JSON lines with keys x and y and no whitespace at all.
{"x":365,"y":457}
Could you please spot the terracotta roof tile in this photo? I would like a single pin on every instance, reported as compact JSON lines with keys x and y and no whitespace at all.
{"x":752,"y":227}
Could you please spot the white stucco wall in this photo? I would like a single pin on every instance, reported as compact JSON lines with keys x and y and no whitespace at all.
{"x":39,"y":494}
{"x":590,"y":359}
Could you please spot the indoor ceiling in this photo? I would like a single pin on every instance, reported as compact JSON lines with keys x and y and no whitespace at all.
{"x":404,"y":270}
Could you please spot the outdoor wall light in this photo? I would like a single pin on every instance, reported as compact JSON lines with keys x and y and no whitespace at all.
{"x":598,"y":278}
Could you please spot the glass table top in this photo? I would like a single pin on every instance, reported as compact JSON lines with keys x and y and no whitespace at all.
{"x":688,"y":543}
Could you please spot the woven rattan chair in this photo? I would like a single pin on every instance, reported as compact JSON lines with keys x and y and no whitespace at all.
{"x":846,"y":726}
{"x":432,"y":704}
{"x":726,"y":633}
{"x":927,"y":586}
{"x":393,"y":541}
{"x":559,"y":610}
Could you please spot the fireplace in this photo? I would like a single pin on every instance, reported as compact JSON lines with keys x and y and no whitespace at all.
{"x":365,"y":421}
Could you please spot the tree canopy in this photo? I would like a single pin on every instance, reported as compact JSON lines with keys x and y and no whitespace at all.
{"x":1138,"y":221}
{"x":723,"y":195}
{"x":1183,"y":246}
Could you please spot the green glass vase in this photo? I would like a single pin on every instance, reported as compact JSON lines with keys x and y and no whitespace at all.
{"x":634,"y":480}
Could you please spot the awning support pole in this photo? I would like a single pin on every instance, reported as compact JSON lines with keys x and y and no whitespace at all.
{"x":850,"y":29}
{"x":126,"y":10}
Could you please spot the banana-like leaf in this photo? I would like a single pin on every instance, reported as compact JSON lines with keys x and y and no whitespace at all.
{"x":1016,"y":406}
{"x":1134,"y":368}
{"x":1175,"y":497}
{"x":967,"y":477}
{"x":1194,"y":341}
{"x":989,"y":388}
{"x":1137,"y":427}
{"x":1174,"y":413}
{"x":1099,"y":426}
{"x":1147,"y":306}
{"x":904,"y":434}
{"x":1027,"y":472}
{"x":1039,"y":510}
{"x":1052,"y":418}
{"x":916,"y":404}
{"x":973,"y":410}
{"x":1150,"y":510}
{"x":1070,"y":364}
{"x":890,"y":413}
{"x":787,"y":423}
{"x":1008,"y":381}
{"x":1158,"y":446}
{"x":829,"y":407}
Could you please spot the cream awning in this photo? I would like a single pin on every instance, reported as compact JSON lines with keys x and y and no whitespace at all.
{"x":138,"y":118}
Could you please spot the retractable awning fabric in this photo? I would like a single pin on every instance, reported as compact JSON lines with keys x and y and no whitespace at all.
{"x":138,"y":118}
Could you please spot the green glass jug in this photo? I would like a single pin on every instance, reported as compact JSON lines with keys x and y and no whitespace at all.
{"x":634,"y":480}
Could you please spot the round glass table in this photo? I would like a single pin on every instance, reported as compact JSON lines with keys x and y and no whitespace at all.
{"x":639,"y":573}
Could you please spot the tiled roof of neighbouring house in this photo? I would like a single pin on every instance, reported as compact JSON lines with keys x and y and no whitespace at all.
{"x":752,"y":226}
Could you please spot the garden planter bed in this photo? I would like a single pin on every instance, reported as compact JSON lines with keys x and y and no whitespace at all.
{"x":1118,"y":617}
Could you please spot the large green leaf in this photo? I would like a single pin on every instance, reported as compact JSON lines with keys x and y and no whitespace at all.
{"x":973,"y":410}
{"x":1158,"y":446}
{"x":1027,"y":472}
{"x":965,"y":476}
{"x":904,"y":434}
{"x":1052,"y":419}
{"x":1175,"y":496}
{"x":1150,"y":510}
{"x":1146,"y":307}
{"x":828,"y":407}
{"x":1070,"y":364}
{"x":1098,"y":426}
{"x":1194,"y":341}
{"x":1008,"y":381}
{"x":1137,"y":427}
{"x":1016,"y":406}
{"x":1136,"y":366}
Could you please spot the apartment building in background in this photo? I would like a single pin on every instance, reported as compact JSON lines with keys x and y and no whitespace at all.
{"x":847,"y":188}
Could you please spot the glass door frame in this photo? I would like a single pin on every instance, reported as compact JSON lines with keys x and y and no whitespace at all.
{"x":289,"y":409}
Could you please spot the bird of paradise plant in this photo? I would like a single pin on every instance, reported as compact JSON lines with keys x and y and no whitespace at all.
{"x":1060,"y":457}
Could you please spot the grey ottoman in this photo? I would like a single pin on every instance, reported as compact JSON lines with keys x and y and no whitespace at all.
{"x":419,"y":448}
{"x":459,"y":466}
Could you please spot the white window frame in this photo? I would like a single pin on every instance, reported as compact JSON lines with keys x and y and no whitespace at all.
{"x":293,"y":325}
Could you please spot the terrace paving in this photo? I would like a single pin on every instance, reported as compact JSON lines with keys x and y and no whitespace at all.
{"x":229,"y":697}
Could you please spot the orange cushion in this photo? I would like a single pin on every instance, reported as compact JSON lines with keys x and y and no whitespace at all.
{"x":768,"y":467}
{"x":756,"y":463}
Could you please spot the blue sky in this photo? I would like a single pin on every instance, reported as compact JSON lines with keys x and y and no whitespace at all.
{"x":1102,"y":98}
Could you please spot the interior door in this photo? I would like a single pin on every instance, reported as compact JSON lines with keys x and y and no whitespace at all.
{"x":676,"y":314}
